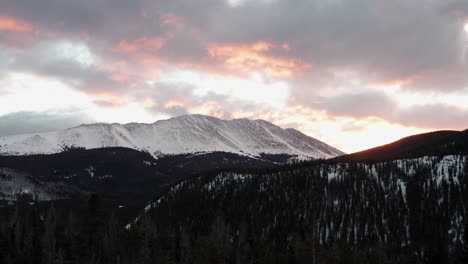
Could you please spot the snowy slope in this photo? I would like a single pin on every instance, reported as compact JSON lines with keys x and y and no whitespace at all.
{"x":184,"y":134}
{"x":13,"y":183}
{"x":353,"y":202}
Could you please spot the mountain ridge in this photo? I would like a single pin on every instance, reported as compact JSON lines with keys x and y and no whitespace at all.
{"x":183,"y":134}
{"x":436,"y":143}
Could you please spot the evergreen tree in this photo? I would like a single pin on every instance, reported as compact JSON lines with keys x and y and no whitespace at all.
{"x":462,"y":254}
{"x":185,"y":254}
{"x":48,"y":237}
{"x":111,"y":241}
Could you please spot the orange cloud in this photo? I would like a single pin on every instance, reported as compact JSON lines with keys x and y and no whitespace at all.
{"x":211,"y":108}
{"x":254,"y":57}
{"x":119,"y":71}
{"x":175,"y":103}
{"x":141,"y":45}
{"x":127,"y":72}
{"x":13,"y":25}
{"x":144,"y":51}
{"x":109,"y":99}
{"x":402,"y":81}
{"x":149,"y":102}
{"x":143,"y":55}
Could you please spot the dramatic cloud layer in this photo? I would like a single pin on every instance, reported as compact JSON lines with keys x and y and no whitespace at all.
{"x":353,"y":73}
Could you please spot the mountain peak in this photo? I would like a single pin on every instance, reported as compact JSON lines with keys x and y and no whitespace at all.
{"x":182,"y":134}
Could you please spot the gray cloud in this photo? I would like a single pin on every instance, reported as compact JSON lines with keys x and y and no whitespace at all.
{"x":437,"y":116}
{"x":43,"y":60}
{"x":384,"y":40}
{"x":33,"y":122}
{"x":358,"y":105}
{"x":110,"y":18}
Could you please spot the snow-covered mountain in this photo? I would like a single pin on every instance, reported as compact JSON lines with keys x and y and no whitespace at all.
{"x":184,"y":134}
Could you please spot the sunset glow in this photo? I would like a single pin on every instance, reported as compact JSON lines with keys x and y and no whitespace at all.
{"x":13,"y":25}
{"x":354,"y":82}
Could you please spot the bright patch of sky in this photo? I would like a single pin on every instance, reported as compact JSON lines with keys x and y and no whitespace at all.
{"x":254,"y":89}
{"x":27,"y":92}
{"x":64,"y":50}
{"x":236,"y":3}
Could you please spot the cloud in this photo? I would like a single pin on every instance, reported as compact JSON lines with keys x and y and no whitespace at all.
{"x":379,"y":105}
{"x":422,"y":40}
{"x":359,"y":105}
{"x":10,"y":24}
{"x":140,"y":46}
{"x":254,"y":90}
{"x":255,"y":58}
{"x":34,"y":122}
{"x":104,"y":17}
{"x":435,"y":116}
{"x":333,"y":60}
{"x":364,"y":35}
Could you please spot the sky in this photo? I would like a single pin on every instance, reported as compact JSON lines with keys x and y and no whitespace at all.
{"x":354,"y":74}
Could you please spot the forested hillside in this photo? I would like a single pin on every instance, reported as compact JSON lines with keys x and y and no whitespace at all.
{"x":125,"y":176}
{"x":401,"y":211}
{"x":407,"y":210}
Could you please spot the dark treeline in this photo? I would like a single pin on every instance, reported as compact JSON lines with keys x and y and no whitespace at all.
{"x":126,"y":176}
{"x":45,"y":234}
{"x":409,"y":211}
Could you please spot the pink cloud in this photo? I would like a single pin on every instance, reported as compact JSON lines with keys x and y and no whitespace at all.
{"x":211,"y":108}
{"x":140,"y":46}
{"x":112,"y":100}
{"x":14,"y":25}
{"x":247,"y":58}
{"x":149,"y":102}
{"x":404,"y":80}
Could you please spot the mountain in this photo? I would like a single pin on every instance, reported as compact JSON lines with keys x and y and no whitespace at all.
{"x":401,"y":211}
{"x":401,"y":203}
{"x":121,"y":175}
{"x":184,"y":134}
{"x":437,"y":143}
